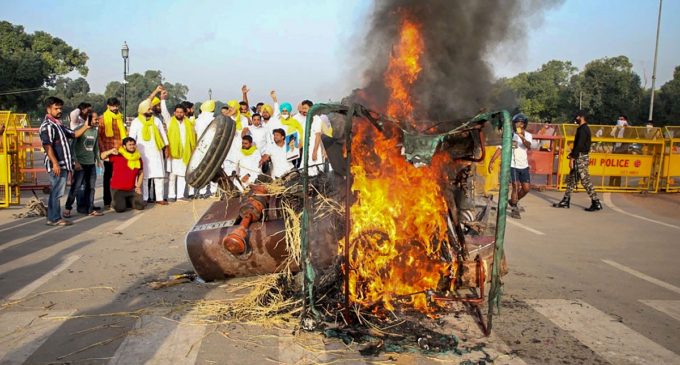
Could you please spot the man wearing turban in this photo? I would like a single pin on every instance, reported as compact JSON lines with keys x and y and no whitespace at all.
{"x":152,"y":140}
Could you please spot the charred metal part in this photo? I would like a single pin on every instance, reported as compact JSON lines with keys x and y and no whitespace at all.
{"x":251,"y":211}
{"x":204,"y":244}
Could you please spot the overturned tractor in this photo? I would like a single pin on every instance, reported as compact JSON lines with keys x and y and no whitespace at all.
{"x":392,"y":225}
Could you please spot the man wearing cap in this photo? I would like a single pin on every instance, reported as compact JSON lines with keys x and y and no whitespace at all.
{"x":579,"y":162}
{"x":151,"y":139}
{"x":519,"y":165}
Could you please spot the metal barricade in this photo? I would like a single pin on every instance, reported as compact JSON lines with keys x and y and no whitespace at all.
{"x":621,"y":159}
{"x":33,"y":172}
{"x":670,"y":172}
{"x":543,"y":155}
{"x":9,"y":162}
{"x":4,"y":163}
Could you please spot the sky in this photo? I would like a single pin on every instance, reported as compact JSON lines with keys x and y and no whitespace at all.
{"x":304,"y":49}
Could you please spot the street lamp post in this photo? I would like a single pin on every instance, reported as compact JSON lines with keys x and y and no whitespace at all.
{"x":209,"y":94}
{"x":656,"y":52}
{"x":125,"y":52}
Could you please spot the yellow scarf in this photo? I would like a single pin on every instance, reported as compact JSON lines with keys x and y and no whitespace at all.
{"x":133,"y":159}
{"x":292,"y":126}
{"x":178,"y":151}
{"x":249,"y":151}
{"x":109,"y":117}
{"x":147,"y":127}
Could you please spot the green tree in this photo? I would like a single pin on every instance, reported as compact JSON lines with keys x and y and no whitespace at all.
{"x":30,"y":62}
{"x":608,"y":87}
{"x":543,"y":94}
{"x":667,"y":110}
{"x":139,"y":87}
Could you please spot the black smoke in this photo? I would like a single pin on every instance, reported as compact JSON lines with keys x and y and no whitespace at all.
{"x":460,"y":37}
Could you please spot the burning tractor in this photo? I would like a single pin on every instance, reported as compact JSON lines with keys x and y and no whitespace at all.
{"x":395,"y":226}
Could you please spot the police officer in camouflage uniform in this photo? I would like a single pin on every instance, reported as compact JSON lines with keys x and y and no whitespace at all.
{"x":578,"y":161}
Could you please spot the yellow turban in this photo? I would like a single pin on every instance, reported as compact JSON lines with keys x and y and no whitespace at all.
{"x":237,"y":117}
{"x":155,"y":101}
{"x":208,"y":106}
{"x":268,"y":108}
{"x":144,"y":106}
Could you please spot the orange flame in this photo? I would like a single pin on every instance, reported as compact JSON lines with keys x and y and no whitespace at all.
{"x":403,"y":69}
{"x":398,"y":219}
{"x":397,"y":224}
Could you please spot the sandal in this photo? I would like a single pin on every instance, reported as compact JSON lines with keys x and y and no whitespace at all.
{"x":61,"y":223}
{"x":96,"y":213}
{"x":67,"y":213}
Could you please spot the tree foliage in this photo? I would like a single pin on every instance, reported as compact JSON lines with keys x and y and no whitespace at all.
{"x":608,"y":88}
{"x":542,"y":94}
{"x":31,"y":61}
{"x":668,"y":106}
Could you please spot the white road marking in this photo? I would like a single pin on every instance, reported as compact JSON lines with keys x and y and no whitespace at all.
{"x":161,"y":341}
{"x":609,"y":203}
{"x":21,"y":293}
{"x":669,"y":307}
{"x":642,"y":276}
{"x":603,"y":334}
{"x":25,"y":332}
{"x":31,"y":221}
{"x":520,"y":225}
{"x":20,"y":240}
{"x":23,"y":224}
{"x":128,"y":222}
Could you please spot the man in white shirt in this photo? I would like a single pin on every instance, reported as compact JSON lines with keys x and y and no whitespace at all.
{"x":276,"y":153}
{"x":233,"y":111}
{"x":316,"y":152}
{"x":257,"y":131}
{"x":79,"y":115}
{"x":519,"y":164}
{"x":270,"y":116}
{"x":181,"y":144}
{"x":249,"y":160}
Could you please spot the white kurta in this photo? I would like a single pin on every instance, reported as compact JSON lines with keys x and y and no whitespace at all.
{"x":151,"y":156}
{"x":280,"y":163}
{"x":259,"y":135}
{"x":249,"y":165}
{"x":177,"y":166}
{"x":315,"y":166}
{"x":202,"y":123}
{"x":234,"y":153}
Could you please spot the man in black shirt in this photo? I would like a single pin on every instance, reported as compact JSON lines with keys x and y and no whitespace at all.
{"x":579,"y":162}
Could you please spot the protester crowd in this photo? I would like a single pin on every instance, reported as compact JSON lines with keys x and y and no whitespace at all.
{"x":146,"y":162}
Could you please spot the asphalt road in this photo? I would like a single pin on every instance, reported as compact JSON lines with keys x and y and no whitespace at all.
{"x":583,"y":288}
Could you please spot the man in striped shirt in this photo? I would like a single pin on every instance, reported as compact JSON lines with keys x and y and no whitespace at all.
{"x":58,"y":156}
